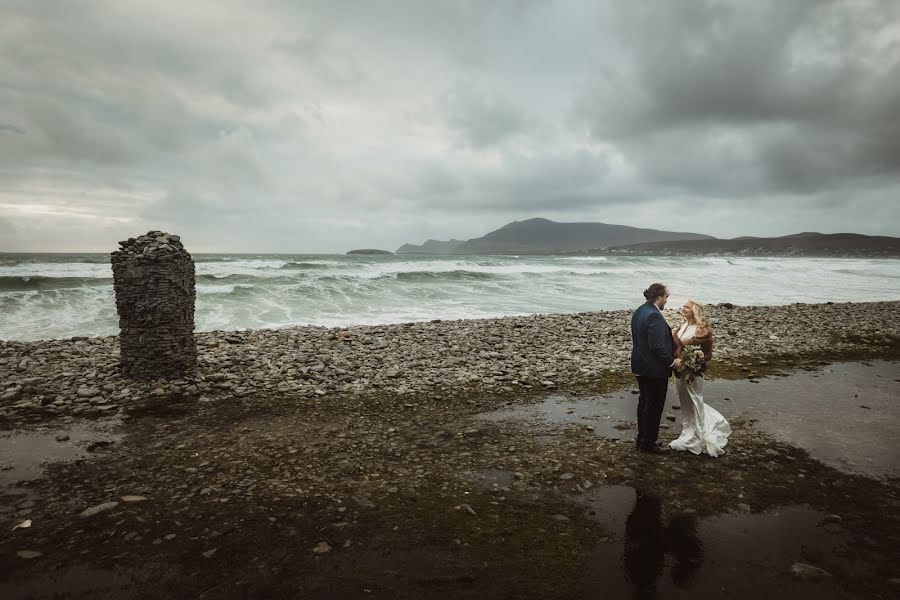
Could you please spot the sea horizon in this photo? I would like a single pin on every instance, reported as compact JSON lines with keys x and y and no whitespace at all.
{"x":61,"y":295}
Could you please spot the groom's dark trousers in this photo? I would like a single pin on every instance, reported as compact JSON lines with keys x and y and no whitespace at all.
{"x":652,"y":355}
{"x":650,"y":408}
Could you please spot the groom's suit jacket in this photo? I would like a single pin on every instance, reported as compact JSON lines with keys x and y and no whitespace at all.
{"x":653,"y":348}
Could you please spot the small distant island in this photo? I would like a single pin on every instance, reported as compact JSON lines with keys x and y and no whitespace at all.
{"x":369,"y":251}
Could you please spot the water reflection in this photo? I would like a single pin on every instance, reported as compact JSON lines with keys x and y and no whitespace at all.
{"x":650,"y":550}
{"x":647,"y":541}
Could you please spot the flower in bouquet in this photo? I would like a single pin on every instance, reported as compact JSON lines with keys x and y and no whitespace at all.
{"x":693,"y":362}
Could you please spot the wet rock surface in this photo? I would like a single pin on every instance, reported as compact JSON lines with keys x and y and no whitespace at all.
{"x":328,"y":498}
{"x":404,"y":490}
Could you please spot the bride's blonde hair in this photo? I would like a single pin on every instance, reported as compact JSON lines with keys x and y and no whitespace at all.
{"x":703,"y":326}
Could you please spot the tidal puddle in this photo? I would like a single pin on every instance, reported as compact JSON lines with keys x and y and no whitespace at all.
{"x":843,"y":414}
{"x":650,"y":553}
{"x":493,"y":479}
{"x":23,"y":453}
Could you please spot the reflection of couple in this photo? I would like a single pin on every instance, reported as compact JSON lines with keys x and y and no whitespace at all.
{"x":655,"y":353}
{"x":647,"y":541}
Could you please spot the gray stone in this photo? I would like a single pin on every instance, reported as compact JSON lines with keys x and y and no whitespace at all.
{"x":322,"y":548}
{"x":96,"y":510}
{"x":805,"y":571}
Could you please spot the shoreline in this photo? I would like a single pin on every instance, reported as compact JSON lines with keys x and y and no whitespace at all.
{"x":219,"y":492}
{"x":428,"y":361}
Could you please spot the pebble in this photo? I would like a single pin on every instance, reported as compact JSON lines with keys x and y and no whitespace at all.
{"x":96,"y":510}
{"x":322,"y":548}
{"x":23,"y":525}
{"x":805,"y":571}
{"x":416,"y":358}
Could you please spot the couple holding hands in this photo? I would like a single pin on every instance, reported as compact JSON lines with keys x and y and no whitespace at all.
{"x":657,"y":352}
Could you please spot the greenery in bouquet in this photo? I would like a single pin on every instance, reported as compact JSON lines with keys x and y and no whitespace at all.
{"x":693,"y":362}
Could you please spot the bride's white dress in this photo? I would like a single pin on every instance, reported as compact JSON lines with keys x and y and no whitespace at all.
{"x":704,"y":429}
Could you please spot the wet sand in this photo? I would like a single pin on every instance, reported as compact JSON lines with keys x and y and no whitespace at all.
{"x":479,"y":497}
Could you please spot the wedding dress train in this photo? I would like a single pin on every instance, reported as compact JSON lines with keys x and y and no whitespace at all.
{"x":704,"y":429}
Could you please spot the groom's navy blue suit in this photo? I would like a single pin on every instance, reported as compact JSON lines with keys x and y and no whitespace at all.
{"x":652,"y":355}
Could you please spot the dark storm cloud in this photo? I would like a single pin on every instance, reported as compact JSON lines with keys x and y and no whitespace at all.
{"x":305,"y":125}
{"x":802,"y":95}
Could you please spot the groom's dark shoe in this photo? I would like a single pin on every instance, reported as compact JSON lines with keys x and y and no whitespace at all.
{"x":654,"y":449}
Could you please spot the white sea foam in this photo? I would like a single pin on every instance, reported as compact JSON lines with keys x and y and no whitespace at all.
{"x":66,"y":296}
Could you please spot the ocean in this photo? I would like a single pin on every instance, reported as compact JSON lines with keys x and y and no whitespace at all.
{"x":63,"y":295}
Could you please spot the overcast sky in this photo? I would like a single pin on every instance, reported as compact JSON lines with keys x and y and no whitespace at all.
{"x":324,"y":126}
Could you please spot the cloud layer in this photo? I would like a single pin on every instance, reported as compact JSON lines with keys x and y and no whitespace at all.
{"x":321,"y":126}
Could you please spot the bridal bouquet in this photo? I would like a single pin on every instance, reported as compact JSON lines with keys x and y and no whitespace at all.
{"x":693,"y":362}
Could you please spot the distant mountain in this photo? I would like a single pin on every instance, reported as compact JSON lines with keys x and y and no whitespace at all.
{"x":430,"y":247}
{"x":799,"y":244}
{"x":542,"y":236}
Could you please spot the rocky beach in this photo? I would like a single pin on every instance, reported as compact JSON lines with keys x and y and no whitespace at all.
{"x":359,"y":462}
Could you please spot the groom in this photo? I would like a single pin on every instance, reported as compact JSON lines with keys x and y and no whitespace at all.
{"x":652,"y":361}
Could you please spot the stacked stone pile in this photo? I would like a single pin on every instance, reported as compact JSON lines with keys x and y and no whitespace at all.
{"x":154,"y":281}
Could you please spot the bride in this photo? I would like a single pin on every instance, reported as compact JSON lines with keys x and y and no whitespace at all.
{"x":704,"y":429}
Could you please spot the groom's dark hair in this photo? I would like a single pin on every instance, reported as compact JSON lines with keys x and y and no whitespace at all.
{"x":655,"y":291}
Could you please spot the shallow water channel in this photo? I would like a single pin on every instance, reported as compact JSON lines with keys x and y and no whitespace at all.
{"x":843,"y":413}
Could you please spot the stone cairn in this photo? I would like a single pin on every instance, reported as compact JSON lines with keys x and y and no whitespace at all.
{"x":153,"y":276}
